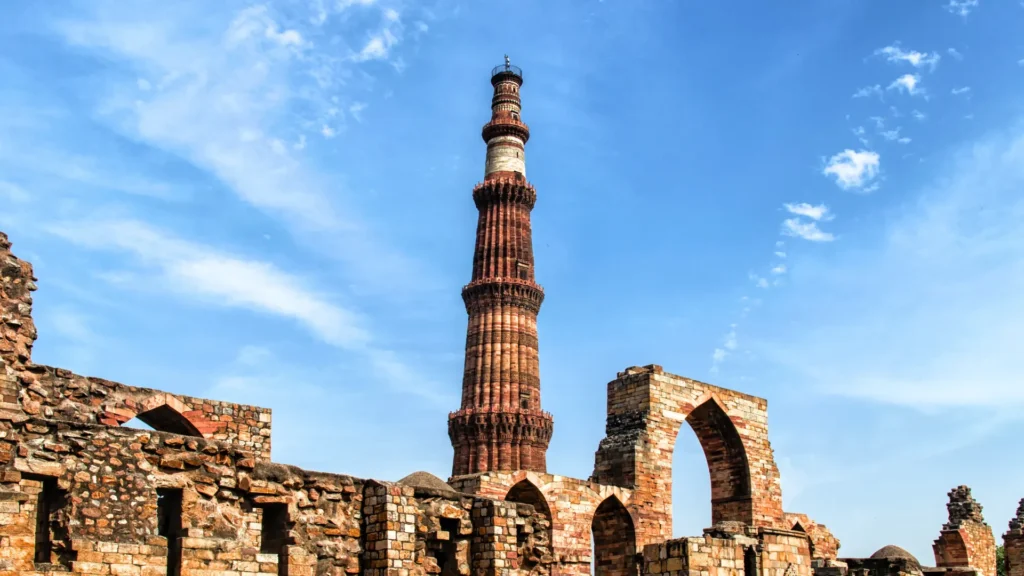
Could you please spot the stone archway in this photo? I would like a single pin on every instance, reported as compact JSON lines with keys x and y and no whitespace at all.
{"x":614,"y":540}
{"x":646,"y":410}
{"x":533,"y":541}
{"x":726,"y":460}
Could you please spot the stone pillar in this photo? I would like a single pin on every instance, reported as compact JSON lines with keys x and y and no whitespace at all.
{"x":500,"y":424}
{"x":494,"y":538}
{"x":1013,"y":543}
{"x":389,"y":516}
{"x":966,"y":541}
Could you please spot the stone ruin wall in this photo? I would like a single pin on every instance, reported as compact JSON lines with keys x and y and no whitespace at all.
{"x":81,"y":494}
{"x":1013,"y":543}
{"x":965,"y":541}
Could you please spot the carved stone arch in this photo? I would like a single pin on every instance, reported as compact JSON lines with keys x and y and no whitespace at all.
{"x":614,"y":538}
{"x":726,"y":459}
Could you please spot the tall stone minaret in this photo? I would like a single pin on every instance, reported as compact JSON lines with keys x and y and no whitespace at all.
{"x":500,"y":425}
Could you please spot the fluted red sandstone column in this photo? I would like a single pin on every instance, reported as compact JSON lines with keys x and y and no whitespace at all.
{"x":500,"y":425}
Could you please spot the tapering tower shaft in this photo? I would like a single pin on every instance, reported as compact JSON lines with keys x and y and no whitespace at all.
{"x":500,"y":425}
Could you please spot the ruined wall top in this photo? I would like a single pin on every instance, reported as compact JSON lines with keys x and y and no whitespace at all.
{"x":962,"y":508}
{"x":1017,"y":522}
{"x":30,"y":390}
{"x":17,"y":331}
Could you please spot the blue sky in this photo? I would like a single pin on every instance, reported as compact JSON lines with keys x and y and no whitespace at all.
{"x":816,"y":203}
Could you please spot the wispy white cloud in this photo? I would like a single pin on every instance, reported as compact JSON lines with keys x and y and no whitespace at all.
{"x":894,"y":136}
{"x":778,"y":269}
{"x":380,"y":43}
{"x":227,"y":95}
{"x":895,"y":53}
{"x":199,"y":271}
{"x":875,"y":90}
{"x":861,"y":135}
{"x":819,"y":212}
{"x":918,"y":115}
{"x":853,"y":169}
{"x":961,"y":7}
{"x":909,"y":83}
{"x":960,"y":90}
{"x":957,"y":253}
{"x":215,"y":278}
{"x":955,"y":53}
{"x":807,"y":230}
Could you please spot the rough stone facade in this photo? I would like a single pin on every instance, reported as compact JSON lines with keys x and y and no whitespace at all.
{"x":199,"y":495}
{"x":1013,"y":543}
{"x":965,"y":541}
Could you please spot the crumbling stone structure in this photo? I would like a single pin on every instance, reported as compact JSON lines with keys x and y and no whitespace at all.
{"x":1013,"y":543}
{"x":199,"y":495}
{"x":965,"y":541}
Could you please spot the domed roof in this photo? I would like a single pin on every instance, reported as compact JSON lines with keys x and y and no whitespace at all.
{"x":891,"y":551}
{"x":426,"y":480}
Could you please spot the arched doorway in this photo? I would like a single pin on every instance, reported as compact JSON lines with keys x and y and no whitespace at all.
{"x":690,"y":485}
{"x":726,"y":461}
{"x":614,"y":540}
{"x":533,"y":542}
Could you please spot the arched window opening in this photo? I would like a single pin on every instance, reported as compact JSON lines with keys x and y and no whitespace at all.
{"x":726,"y":463}
{"x":534,"y":539}
{"x":137,"y":424}
{"x":166,"y":419}
{"x":691,"y":486}
{"x":613,"y":540}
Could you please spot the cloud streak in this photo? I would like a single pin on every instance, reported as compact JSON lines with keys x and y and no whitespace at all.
{"x":948,"y":337}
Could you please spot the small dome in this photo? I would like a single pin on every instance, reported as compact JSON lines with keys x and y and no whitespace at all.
{"x":891,"y":551}
{"x":426,"y":480}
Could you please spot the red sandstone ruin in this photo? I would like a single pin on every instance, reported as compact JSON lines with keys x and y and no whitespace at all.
{"x":200,"y":496}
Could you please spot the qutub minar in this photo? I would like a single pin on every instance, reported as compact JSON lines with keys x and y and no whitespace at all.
{"x":198,"y":495}
{"x":500,"y":425}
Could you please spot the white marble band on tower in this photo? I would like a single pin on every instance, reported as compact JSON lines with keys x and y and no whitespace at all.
{"x":505,"y":154}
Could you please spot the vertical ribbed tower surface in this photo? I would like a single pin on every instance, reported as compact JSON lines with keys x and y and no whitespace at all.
{"x":500,"y":425}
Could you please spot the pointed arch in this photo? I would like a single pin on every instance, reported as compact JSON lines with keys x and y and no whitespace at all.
{"x":798,"y":527}
{"x":727,"y":462}
{"x":614,"y":538}
{"x":526,"y":492}
{"x":164,"y":418}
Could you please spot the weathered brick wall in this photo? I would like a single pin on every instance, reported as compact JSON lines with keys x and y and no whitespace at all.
{"x":878,"y":567}
{"x":495,"y":551}
{"x":444,"y":532}
{"x":824,"y":544}
{"x":107,"y":522}
{"x":60,"y":394}
{"x":17,"y":330}
{"x":55,"y":393}
{"x":697,"y":556}
{"x":784,"y":553}
{"x":571,"y":505}
{"x":1013,"y":543}
{"x":646,"y":408}
{"x":965,"y":540}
